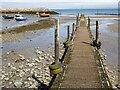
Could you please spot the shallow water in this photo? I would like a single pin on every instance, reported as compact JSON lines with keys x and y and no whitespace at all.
{"x":41,"y":38}
{"x":109,"y":40}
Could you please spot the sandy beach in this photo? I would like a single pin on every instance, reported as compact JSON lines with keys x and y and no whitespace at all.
{"x":25,"y":48}
{"x":114,"y":27}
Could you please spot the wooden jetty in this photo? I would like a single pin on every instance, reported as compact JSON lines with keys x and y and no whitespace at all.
{"x":81,"y":62}
{"x":82,"y":71}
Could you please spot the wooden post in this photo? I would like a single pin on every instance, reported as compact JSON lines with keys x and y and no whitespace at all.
{"x":73,"y":26}
{"x":96,"y":31}
{"x":88,"y":23}
{"x":68,"y":33}
{"x":76,"y":21}
{"x":56,"y":41}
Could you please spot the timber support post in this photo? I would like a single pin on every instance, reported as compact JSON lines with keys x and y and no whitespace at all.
{"x":56,"y":41}
{"x":68,"y":33}
{"x":73,"y":31}
{"x":88,"y":22}
{"x":96,"y":31}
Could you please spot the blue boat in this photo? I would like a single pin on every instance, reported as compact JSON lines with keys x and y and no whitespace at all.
{"x":20,"y":18}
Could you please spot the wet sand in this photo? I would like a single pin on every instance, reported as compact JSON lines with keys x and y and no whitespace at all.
{"x":24,"y":43}
{"x":19,"y":32}
{"x":103,"y":16}
{"x":114,"y":27}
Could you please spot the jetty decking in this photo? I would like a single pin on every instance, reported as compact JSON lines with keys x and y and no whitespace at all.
{"x":82,"y":71}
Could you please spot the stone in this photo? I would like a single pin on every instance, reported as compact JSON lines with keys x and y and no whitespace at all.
{"x":18,"y":83}
{"x":29,"y":79}
{"x":30,"y":65}
{"x":39,"y":68}
{"x":21,"y":57}
{"x":8,"y":64}
{"x":2,"y":77}
{"x":6,"y":79}
{"x":8,"y":53}
{"x":21,"y":66}
{"x":10,"y":83}
{"x":40,"y":58}
{"x":27,"y":60}
{"x":32,"y":86}
{"x":38,"y":52}
{"x":14,"y":68}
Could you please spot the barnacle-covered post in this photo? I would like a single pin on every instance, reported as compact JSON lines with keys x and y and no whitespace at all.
{"x":56,"y":41}
{"x":68,"y":33}
{"x":72,"y":35}
{"x":88,"y":22}
{"x":77,"y":20}
{"x":96,"y":31}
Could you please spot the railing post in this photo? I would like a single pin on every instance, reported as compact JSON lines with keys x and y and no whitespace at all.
{"x":96,"y":31}
{"x":68,"y":33}
{"x":88,"y":22}
{"x":56,"y":41}
{"x":73,"y":26}
{"x":76,"y":21}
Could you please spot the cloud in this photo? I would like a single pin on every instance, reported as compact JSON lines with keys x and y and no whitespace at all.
{"x":60,"y":5}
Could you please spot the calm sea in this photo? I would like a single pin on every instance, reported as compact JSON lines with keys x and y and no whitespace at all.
{"x":87,"y":11}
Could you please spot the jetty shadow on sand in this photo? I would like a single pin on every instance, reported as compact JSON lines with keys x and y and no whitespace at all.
{"x":42,"y":86}
{"x":87,"y":43}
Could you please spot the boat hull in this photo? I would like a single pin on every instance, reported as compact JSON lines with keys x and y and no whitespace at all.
{"x":20,"y":18}
{"x":44,"y":15}
{"x":8,"y":17}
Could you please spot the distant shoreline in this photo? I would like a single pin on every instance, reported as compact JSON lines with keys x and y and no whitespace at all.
{"x":29,"y":12}
{"x":26,"y":10}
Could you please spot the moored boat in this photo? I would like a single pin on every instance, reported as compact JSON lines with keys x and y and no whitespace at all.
{"x":20,"y":18}
{"x":7,"y":17}
{"x":18,"y":15}
{"x":44,"y":15}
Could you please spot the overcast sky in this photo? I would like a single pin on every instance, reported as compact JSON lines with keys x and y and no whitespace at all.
{"x":59,"y":4}
{"x":59,"y":0}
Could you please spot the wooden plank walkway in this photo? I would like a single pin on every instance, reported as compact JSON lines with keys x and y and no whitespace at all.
{"x":82,"y":70}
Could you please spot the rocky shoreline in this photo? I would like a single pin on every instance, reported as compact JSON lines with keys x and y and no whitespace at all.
{"x":27,"y":10}
{"x":18,"y":72}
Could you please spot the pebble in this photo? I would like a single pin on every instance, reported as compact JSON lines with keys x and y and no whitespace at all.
{"x":6,"y":78}
{"x":10,"y":83}
{"x":22,"y":57}
{"x":14,"y":68}
{"x":38,"y":52}
{"x":8,"y":53}
{"x":9,"y":65}
{"x":18,"y":83}
{"x":27,"y":60}
{"x":2,"y":77}
{"x":38,"y":66}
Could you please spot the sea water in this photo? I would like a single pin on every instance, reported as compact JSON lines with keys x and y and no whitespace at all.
{"x":87,"y":11}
